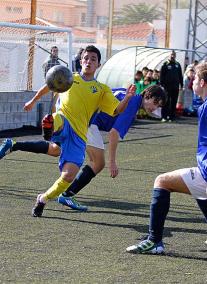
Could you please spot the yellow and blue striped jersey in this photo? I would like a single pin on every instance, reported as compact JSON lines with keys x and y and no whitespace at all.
{"x":84,"y":98}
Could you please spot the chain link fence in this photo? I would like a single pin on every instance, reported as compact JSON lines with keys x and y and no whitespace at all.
{"x":111,"y":25}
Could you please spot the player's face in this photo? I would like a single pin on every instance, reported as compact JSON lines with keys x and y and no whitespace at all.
{"x":54,"y":51}
{"x":198,"y":86}
{"x":172,"y":56}
{"x":89,"y":63}
{"x":150,"y":105}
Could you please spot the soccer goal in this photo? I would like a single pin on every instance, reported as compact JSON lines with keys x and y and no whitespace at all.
{"x":24,"y":49}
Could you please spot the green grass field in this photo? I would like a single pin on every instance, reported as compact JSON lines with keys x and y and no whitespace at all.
{"x":65,"y":246}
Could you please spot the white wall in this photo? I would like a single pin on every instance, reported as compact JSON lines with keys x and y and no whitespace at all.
{"x":179,"y":28}
{"x":12,"y":114}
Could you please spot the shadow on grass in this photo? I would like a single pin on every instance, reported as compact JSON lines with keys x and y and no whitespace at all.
{"x":178,"y":255}
{"x":121,"y":206}
{"x":168,"y":231}
{"x":137,"y":227}
{"x":20,"y":192}
{"x":142,"y":138}
{"x":31,"y":161}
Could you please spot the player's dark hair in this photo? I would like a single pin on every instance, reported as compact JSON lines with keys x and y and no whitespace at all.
{"x":145,"y":68}
{"x":54,"y":47}
{"x":139,"y":72}
{"x":157,"y":92}
{"x":92,"y":48}
{"x":201,"y":71}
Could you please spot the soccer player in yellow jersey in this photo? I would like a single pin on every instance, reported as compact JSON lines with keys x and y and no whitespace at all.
{"x":78,"y":104}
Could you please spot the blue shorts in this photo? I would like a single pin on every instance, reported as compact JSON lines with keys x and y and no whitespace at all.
{"x":72,"y":146}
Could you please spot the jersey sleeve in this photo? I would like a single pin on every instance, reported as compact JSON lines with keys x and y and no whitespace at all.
{"x":125,"y":119}
{"x":109,"y":102}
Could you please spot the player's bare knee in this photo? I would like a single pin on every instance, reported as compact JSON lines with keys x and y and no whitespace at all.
{"x":160,"y":181}
{"x":53,"y":150}
{"x":68,"y":176}
{"x":99,"y":166}
{"x":102,"y":165}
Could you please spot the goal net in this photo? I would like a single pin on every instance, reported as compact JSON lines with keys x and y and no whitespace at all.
{"x":24,"y":49}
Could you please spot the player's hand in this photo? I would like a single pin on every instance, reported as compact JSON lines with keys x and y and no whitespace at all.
{"x":114,"y":171}
{"x":29,"y":105}
{"x":131,"y":91}
{"x":47,"y":126}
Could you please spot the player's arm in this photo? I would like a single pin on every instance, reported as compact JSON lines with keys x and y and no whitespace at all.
{"x":41,"y":92}
{"x":123,"y":104}
{"x":113,"y":143}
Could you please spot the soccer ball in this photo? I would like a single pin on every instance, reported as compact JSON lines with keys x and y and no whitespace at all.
{"x":59,"y":79}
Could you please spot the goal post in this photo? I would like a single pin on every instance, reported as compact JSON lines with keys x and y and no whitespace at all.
{"x":24,"y":48}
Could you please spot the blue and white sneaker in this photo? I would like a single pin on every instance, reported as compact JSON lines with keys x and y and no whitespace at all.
{"x":147,"y":246}
{"x":6,"y":147}
{"x":72,"y":203}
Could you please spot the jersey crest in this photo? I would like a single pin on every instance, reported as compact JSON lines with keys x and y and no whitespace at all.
{"x":93,"y":89}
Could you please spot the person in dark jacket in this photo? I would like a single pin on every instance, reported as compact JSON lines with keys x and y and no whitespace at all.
{"x":171,"y":79}
{"x":76,"y":65}
{"x":52,"y":60}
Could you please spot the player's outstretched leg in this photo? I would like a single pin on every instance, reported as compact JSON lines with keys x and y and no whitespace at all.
{"x":6,"y":147}
{"x":81,"y":180}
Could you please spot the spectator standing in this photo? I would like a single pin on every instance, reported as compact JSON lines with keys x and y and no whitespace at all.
{"x":188,"y":91}
{"x":192,"y":66}
{"x":171,"y":79}
{"x":77,"y":61}
{"x":186,"y":62}
{"x":51,"y":61}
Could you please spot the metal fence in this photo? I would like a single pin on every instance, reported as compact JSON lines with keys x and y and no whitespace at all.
{"x":113,"y":25}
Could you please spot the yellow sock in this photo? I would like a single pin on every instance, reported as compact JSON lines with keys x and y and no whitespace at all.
{"x":58,"y":121}
{"x":56,"y":189}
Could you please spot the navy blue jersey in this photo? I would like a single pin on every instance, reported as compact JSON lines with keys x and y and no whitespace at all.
{"x":123,"y":121}
{"x":202,"y":140}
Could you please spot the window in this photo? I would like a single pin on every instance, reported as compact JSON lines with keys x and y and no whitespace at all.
{"x":102,"y":21}
{"x":8,"y":9}
{"x":83,"y":19}
{"x":39,"y":13}
{"x":58,"y":17}
{"x":14,"y":10}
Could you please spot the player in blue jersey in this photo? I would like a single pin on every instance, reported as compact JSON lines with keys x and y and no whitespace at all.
{"x":191,"y":181}
{"x":117,"y":127}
